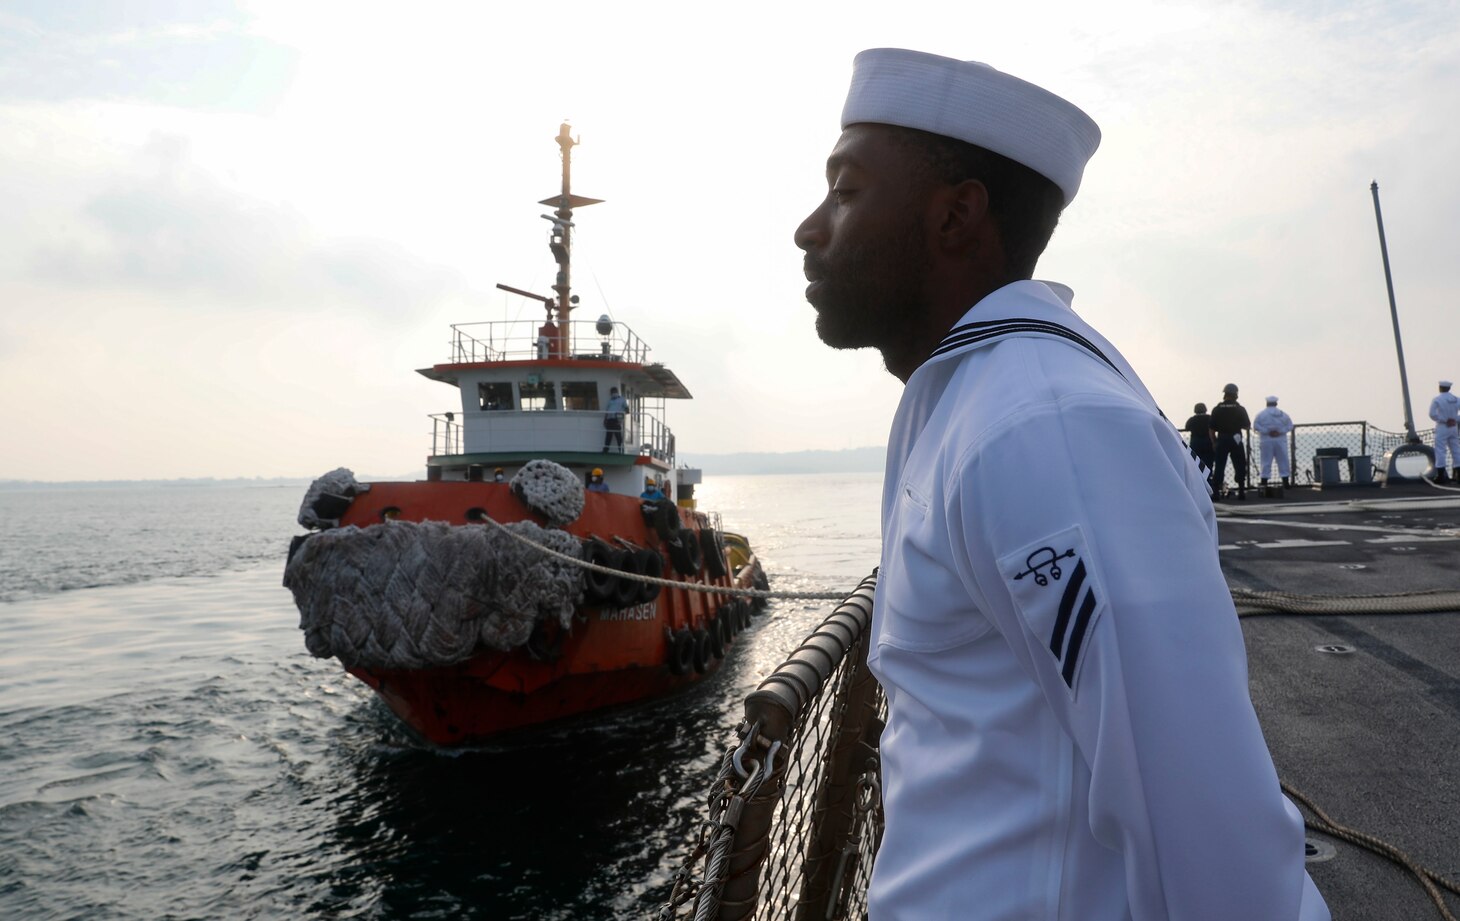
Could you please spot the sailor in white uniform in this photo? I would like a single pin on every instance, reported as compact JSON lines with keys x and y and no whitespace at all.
{"x":1444,"y":410}
{"x":1272,"y":426}
{"x":1069,"y":736}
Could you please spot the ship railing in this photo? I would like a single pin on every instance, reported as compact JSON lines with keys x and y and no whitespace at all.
{"x":801,"y":843}
{"x":522,"y":340}
{"x":548,"y":431}
{"x":1357,"y":438}
{"x":445,"y":434}
{"x":654,"y":437}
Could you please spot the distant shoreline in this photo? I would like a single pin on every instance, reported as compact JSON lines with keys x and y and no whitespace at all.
{"x":748,"y":463}
{"x":850,"y":460}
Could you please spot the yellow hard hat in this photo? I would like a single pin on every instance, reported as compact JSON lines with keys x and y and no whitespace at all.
{"x":598,"y":471}
{"x":497,"y":470}
{"x":648,"y":481}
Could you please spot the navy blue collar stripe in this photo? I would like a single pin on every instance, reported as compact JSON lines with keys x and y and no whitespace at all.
{"x":971,"y":333}
{"x":974,"y":333}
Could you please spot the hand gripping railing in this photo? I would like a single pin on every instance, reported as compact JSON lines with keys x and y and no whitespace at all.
{"x":795,"y":814}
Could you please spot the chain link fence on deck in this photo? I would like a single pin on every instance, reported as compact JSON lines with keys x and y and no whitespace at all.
{"x":797,"y":841}
{"x":1356,"y":439}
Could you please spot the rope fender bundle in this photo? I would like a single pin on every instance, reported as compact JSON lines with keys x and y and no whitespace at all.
{"x":403,"y":595}
{"x":550,"y":489}
{"x":328,"y":497}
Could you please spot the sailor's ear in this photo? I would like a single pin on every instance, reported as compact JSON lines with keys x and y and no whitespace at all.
{"x":960,"y":215}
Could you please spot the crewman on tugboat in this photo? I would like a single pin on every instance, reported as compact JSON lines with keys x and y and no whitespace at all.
{"x":652,"y":492}
{"x":595,"y":481}
{"x":613,"y":419}
{"x":1071,"y":746}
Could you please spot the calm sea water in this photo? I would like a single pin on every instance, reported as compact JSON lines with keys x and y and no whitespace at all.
{"x":168,"y":750}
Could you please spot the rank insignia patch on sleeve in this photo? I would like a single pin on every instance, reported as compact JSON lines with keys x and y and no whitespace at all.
{"x":1057,"y":595}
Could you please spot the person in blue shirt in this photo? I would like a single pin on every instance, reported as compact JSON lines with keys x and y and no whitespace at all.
{"x":595,"y":481}
{"x":613,"y":420}
{"x":651,"y":492}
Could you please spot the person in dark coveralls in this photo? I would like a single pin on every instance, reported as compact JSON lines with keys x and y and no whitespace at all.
{"x":1069,"y":733}
{"x":613,"y":419}
{"x":1199,"y":430}
{"x":1229,"y":421}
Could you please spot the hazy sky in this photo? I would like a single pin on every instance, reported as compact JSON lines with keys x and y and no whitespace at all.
{"x":231,"y":231}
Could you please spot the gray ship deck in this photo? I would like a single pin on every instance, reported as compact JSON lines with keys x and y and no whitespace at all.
{"x":1371,"y":735}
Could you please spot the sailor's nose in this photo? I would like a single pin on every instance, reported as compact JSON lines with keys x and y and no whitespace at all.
{"x":812,"y":231}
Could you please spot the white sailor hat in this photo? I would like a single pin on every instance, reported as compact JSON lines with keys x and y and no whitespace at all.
{"x":1445,"y":384}
{"x":973,"y":102}
{"x":1272,"y":401}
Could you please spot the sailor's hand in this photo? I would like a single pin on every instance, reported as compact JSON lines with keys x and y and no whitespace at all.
{"x":1273,"y":432}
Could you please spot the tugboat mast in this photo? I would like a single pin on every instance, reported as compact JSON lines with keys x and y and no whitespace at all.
{"x":561,"y":241}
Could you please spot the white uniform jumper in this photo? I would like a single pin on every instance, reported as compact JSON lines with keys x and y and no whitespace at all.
{"x":1070,"y":736}
{"x":1272,"y":446}
{"x":1446,"y":406}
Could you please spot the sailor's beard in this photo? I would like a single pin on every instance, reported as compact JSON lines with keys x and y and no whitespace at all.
{"x":871,"y":294}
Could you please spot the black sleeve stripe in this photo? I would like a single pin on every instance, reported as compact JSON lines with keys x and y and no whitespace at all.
{"x":1067,"y":606}
{"x":1077,"y":638}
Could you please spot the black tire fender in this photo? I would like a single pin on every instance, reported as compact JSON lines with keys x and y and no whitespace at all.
{"x":599,"y":587}
{"x":759,"y":580}
{"x":663,"y":517}
{"x":680,"y":554}
{"x":626,"y":591}
{"x":680,"y":655}
{"x":702,"y":650}
{"x":716,"y":630}
{"x":713,"y":550}
{"x":650,"y":564}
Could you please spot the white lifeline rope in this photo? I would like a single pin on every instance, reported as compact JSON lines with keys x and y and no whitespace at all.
{"x":1449,"y":533}
{"x":667,"y":583}
{"x":1434,"y":485}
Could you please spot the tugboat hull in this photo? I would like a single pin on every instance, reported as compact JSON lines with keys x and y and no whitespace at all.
{"x":608,"y":656}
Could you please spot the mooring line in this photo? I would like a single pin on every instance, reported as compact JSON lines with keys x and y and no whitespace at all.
{"x":667,"y":583}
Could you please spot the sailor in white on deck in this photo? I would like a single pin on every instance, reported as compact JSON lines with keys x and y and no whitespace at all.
{"x":1445,"y":410}
{"x":1272,"y":426}
{"x":1069,"y":733}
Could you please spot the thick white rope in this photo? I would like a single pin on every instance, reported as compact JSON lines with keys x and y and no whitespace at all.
{"x":668,"y":583}
{"x":1441,"y":488}
{"x":1432,"y":533}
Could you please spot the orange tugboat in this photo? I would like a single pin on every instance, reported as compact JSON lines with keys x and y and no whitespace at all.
{"x":553,"y":561}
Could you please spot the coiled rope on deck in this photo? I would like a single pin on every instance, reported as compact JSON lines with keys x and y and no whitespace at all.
{"x":1429,"y":879}
{"x":1250,"y":603}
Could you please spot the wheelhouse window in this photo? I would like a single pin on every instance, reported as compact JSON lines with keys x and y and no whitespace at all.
{"x":538,"y":394}
{"x":495,"y":396}
{"x":580,"y":395}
